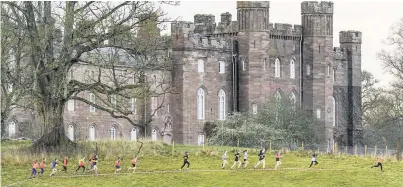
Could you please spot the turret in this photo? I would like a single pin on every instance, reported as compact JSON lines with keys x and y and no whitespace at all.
{"x":253,"y":15}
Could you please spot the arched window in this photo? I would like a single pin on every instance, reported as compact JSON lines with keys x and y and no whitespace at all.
{"x":154,"y":135}
{"x":318,"y":113}
{"x":264,"y":64}
{"x":221,"y":67}
{"x":133,"y":134}
{"x":70,"y":132}
{"x":292,"y":69}
{"x":221,"y":107}
{"x":112,"y":133}
{"x":308,"y":69}
{"x":200,"y":103}
{"x":334,"y":110}
{"x":277,"y":68}
{"x":11,"y":129}
{"x":200,"y":139}
{"x":92,"y":133}
{"x":254,"y":108}
{"x":328,"y":70}
{"x":200,"y":65}
{"x":243,"y":65}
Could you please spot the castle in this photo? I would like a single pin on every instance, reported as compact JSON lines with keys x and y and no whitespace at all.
{"x":239,"y":66}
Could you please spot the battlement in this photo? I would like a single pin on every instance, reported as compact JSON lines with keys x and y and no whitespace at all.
{"x":226,"y":18}
{"x":339,"y":53}
{"x":314,"y":7}
{"x":204,"y":23}
{"x":285,"y":29}
{"x":350,"y":37}
{"x":253,"y":4}
{"x":182,"y":26}
{"x":210,"y":43}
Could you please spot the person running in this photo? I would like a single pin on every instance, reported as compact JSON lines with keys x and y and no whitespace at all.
{"x":278,"y":162}
{"x":42,"y":166}
{"x":237,"y":155}
{"x":185,"y":160}
{"x":314,"y":159}
{"x":261,"y":159}
{"x":34,"y":166}
{"x":245,"y":158}
{"x":91,"y":160}
{"x":95,"y":161}
{"x":65,"y":162}
{"x":81,"y":164}
{"x":224,"y":159}
{"x":379,"y":162}
{"x":54,"y":169}
{"x":134,"y":161}
{"x":117,"y":165}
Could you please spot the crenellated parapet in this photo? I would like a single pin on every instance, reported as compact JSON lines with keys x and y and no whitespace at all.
{"x":340,"y":53}
{"x":314,"y":7}
{"x":204,"y":23}
{"x":285,"y":31}
{"x":211,"y":43}
{"x":350,"y":37}
{"x":182,"y":27}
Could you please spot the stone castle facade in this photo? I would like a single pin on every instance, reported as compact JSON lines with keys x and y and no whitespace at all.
{"x":239,"y":65}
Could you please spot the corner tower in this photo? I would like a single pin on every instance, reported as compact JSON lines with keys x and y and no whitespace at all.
{"x":253,"y":45}
{"x":317,"y":58}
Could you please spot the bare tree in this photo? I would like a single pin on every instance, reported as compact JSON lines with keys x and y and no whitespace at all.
{"x":118,"y":43}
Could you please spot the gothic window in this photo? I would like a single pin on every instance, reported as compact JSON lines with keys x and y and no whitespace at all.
{"x":154,"y":135}
{"x":92,"y":100}
{"x":277,"y":68}
{"x":11,"y":129}
{"x":318,"y":113}
{"x":334,"y":74}
{"x":221,"y":67}
{"x":92,"y":133}
{"x":112,"y":133}
{"x":254,"y":108}
{"x":264,"y":64}
{"x":328,"y":70}
{"x":292,"y":69}
{"x":243,"y":65}
{"x":308,"y":69}
{"x":70,"y":105}
{"x":200,"y":65}
{"x":200,"y":103}
{"x":221,"y":98}
{"x":70,"y":132}
{"x":133,"y":134}
{"x":334,"y":110}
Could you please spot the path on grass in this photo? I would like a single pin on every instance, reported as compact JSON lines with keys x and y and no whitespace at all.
{"x":175,"y":171}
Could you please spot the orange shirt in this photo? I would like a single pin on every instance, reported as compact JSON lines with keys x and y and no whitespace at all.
{"x":35,"y":165}
{"x":65,"y":162}
{"x":379,"y":159}
{"x":42,"y":165}
{"x":117,"y":162}
{"x":134,"y":160}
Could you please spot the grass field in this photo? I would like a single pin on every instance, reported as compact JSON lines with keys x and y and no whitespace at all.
{"x":158,"y":167}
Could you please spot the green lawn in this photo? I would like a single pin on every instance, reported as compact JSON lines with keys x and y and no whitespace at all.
{"x":206,"y":171}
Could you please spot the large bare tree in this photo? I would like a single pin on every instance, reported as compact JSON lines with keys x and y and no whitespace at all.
{"x":118,"y":43}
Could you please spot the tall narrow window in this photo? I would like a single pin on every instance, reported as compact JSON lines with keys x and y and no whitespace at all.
{"x":243,"y":65}
{"x":200,"y":140}
{"x":11,"y":129}
{"x":92,"y":133}
{"x":168,"y":108}
{"x":92,"y":100}
{"x":328,"y":70}
{"x":112,"y":133}
{"x":334,"y":111}
{"x":264,"y":64}
{"x":113,"y":100}
{"x":277,"y":68}
{"x":308,"y":69}
{"x":154,"y":135}
{"x":334,"y":74}
{"x":292,"y":69}
{"x":221,"y":67}
{"x":70,"y":132}
{"x":318,"y":113}
{"x":200,"y":65}
{"x":200,"y":103}
{"x":254,"y":108}
{"x":70,"y":105}
{"x":221,"y":101}
{"x":133,"y":134}
{"x":106,"y":42}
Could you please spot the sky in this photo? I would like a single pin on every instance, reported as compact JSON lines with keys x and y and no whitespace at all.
{"x":373,"y":18}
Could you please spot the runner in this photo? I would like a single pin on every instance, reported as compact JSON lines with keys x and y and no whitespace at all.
{"x":65,"y":162}
{"x":54,"y":169}
{"x":95,"y":161}
{"x":278,"y":162}
{"x":261,"y":159}
{"x":379,"y":162}
{"x":134,"y":161}
{"x":81,"y":164}
{"x":42,"y":166}
{"x":245,"y":158}
{"x":314,"y":159}
{"x":91,"y":163}
{"x":34,"y":166}
{"x":237,"y":155}
{"x":185,"y":161}
{"x":117,"y":165}
{"x":224,"y":159}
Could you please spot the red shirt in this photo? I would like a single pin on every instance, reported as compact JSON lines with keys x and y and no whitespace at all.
{"x":42,"y":165}
{"x":117,"y":163}
{"x":134,"y":160}
{"x":65,"y":162}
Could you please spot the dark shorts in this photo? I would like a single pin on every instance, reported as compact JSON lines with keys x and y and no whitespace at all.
{"x":33,"y":171}
{"x":277,"y":159}
{"x":42,"y":170}
{"x":245,"y":160}
{"x":134,"y":165}
{"x":117,"y":167}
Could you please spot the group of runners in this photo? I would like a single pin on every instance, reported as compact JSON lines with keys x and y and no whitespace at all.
{"x":94,"y":159}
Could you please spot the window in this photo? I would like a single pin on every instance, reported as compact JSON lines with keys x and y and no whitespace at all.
{"x":264,"y":64}
{"x":133,"y":134}
{"x":70,"y":105}
{"x":92,"y":133}
{"x":168,"y":108}
{"x":254,"y":108}
{"x":113,"y":100}
{"x":11,"y":129}
{"x":70,"y":132}
{"x":328,"y":70}
{"x":92,"y":100}
{"x":221,"y":101}
{"x":154,"y":104}
{"x":308,"y":69}
{"x":221,"y":67}
{"x":112,"y":133}
{"x":334,"y":74}
{"x":292,"y":69}
{"x":200,"y":103}
{"x":133,"y":105}
{"x":277,"y":68}
{"x":318,"y":113}
{"x":200,"y":140}
{"x":200,"y":65}
{"x":243,"y":65}
{"x":334,"y":111}
{"x":106,"y":42}
{"x":154,"y":135}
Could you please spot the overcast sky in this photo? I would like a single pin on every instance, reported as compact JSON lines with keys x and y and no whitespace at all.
{"x":372,"y":18}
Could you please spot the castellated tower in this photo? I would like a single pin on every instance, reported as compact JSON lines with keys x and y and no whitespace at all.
{"x":317,"y":51}
{"x":351,"y":42}
{"x":253,"y":46}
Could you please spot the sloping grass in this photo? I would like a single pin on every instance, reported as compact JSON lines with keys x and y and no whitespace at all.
{"x":332,"y":170}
